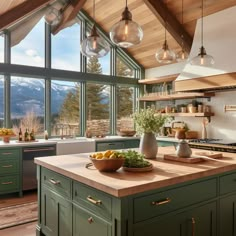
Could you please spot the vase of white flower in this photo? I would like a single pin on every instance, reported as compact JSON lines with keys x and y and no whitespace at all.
{"x":148,"y":123}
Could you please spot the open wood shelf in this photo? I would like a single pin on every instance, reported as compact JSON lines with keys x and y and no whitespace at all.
{"x":162,"y":79}
{"x":188,"y":114}
{"x":154,"y":97}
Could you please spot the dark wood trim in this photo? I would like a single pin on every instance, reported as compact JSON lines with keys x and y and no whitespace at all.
{"x":21,"y":11}
{"x":69,"y":14}
{"x":173,"y":26}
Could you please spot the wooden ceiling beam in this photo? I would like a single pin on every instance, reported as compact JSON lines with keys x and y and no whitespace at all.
{"x":173,"y":26}
{"x":21,"y":11}
{"x":69,"y":14}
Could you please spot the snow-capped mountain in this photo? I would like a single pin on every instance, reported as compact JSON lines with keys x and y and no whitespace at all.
{"x":28,"y":95}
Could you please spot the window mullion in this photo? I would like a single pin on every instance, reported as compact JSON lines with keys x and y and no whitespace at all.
{"x":7,"y":80}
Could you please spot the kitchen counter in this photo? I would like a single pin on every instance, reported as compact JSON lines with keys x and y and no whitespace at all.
{"x":121,"y":183}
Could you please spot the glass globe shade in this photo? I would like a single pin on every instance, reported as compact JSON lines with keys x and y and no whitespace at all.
{"x":94,"y":45}
{"x":126,"y":33}
{"x":53,"y":17}
{"x":182,"y":55}
{"x":165,"y":55}
{"x":202,"y":59}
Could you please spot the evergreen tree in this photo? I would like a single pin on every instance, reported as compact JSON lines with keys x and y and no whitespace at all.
{"x":69,"y":112}
{"x":96,"y":100}
{"x":124,"y":94}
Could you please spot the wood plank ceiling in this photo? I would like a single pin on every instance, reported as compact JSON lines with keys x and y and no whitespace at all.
{"x":149,"y":14}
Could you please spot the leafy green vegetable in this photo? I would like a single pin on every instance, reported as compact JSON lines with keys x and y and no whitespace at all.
{"x":134,"y":159}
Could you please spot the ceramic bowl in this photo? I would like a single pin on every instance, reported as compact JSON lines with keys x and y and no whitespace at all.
{"x":107,"y":164}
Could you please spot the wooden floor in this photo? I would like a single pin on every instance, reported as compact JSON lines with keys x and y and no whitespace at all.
{"x":25,"y":229}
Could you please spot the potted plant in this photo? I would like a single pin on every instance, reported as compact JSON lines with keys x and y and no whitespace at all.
{"x":148,"y":123}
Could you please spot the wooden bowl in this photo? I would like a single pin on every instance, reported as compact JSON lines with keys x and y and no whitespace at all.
{"x":107,"y":164}
{"x":126,"y":133}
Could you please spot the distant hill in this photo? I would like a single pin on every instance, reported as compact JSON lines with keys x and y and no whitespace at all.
{"x":28,"y":95}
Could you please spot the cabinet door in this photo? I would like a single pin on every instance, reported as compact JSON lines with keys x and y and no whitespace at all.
{"x":199,"y":221}
{"x":110,"y":145}
{"x":86,"y":223}
{"x":56,"y":214}
{"x":227,"y":216}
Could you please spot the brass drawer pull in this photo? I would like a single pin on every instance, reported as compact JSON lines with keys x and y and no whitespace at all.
{"x":54,"y":181}
{"x":6,"y":183}
{"x":96,"y":202}
{"x":158,"y":203}
{"x":8,"y":166}
{"x":90,"y":220}
{"x":6,"y":153}
{"x":193,"y":226}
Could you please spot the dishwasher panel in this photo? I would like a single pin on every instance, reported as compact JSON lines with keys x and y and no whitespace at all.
{"x":29,"y":167}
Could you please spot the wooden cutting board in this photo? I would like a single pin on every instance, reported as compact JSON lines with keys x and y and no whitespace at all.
{"x":195,"y":158}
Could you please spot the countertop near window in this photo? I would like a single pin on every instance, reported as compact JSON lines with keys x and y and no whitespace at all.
{"x":123,"y":183}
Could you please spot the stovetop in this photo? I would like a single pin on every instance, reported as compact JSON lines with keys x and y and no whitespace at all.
{"x":214,"y":141}
{"x":214,"y":144}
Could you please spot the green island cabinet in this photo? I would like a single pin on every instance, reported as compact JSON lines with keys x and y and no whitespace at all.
{"x":10,"y":170}
{"x":200,"y":207}
{"x":102,"y":145}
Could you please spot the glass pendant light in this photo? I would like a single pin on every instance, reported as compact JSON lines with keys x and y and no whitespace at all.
{"x":126,"y":33}
{"x":182,"y":55}
{"x":94,"y":45}
{"x":202,"y":59}
{"x":165,"y":55}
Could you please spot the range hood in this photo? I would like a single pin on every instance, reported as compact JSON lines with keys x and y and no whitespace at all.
{"x":219,"y":39}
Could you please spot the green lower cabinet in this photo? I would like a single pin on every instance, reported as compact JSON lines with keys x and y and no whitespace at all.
{"x":166,"y":143}
{"x":199,"y":221}
{"x":85,"y":223}
{"x":56,"y":214}
{"x":228,"y":216}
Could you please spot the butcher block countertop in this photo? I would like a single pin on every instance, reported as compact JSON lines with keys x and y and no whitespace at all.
{"x":122,"y":183}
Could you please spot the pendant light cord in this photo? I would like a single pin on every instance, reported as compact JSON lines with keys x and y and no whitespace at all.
{"x":126,"y":3}
{"x":202,"y":24}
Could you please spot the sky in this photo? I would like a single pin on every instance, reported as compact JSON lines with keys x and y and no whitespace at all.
{"x":65,"y":49}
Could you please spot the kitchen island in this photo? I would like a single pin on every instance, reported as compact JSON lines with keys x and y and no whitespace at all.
{"x":173,"y":199}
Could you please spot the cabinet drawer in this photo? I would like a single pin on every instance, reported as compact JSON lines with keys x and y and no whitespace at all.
{"x":9,"y":165}
{"x":96,"y":201}
{"x":9,"y":183}
{"x":228,"y":183}
{"x":88,"y":224}
{"x":9,"y":153}
{"x":58,"y":183}
{"x":163,"y":202}
{"x":110,"y":145}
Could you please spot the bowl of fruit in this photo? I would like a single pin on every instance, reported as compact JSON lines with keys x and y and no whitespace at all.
{"x":108,"y":161}
{"x":6,"y":134}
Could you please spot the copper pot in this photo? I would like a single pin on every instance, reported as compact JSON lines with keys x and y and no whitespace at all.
{"x":180,"y":134}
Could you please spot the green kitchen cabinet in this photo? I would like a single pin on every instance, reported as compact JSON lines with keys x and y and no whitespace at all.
{"x":227,"y":216}
{"x":166,"y":143}
{"x":69,"y":207}
{"x":56,"y":214}
{"x":86,"y":223}
{"x":10,"y":171}
{"x":198,"y":221}
{"x":116,"y":144}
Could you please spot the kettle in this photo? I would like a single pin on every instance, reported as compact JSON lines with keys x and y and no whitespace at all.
{"x":183,"y":149}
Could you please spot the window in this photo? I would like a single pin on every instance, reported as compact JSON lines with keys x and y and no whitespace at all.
{"x":98,"y":100}
{"x":125,"y":97}
{"x":27,"y":104}
{"x":1,"y":49}
{"x":30,"y":51}
{"x":65,"y":105}
{"x":105,"y":64}
{"x":1,"y":101}
{"x":66,"y":49}
{"x":122,"y":69}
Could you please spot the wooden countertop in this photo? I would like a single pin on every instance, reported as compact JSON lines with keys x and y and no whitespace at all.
{"x":122,"y":183}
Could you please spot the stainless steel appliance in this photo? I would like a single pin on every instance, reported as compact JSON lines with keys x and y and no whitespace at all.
{"x":219,"y":145}
{"x":29,"y":167}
